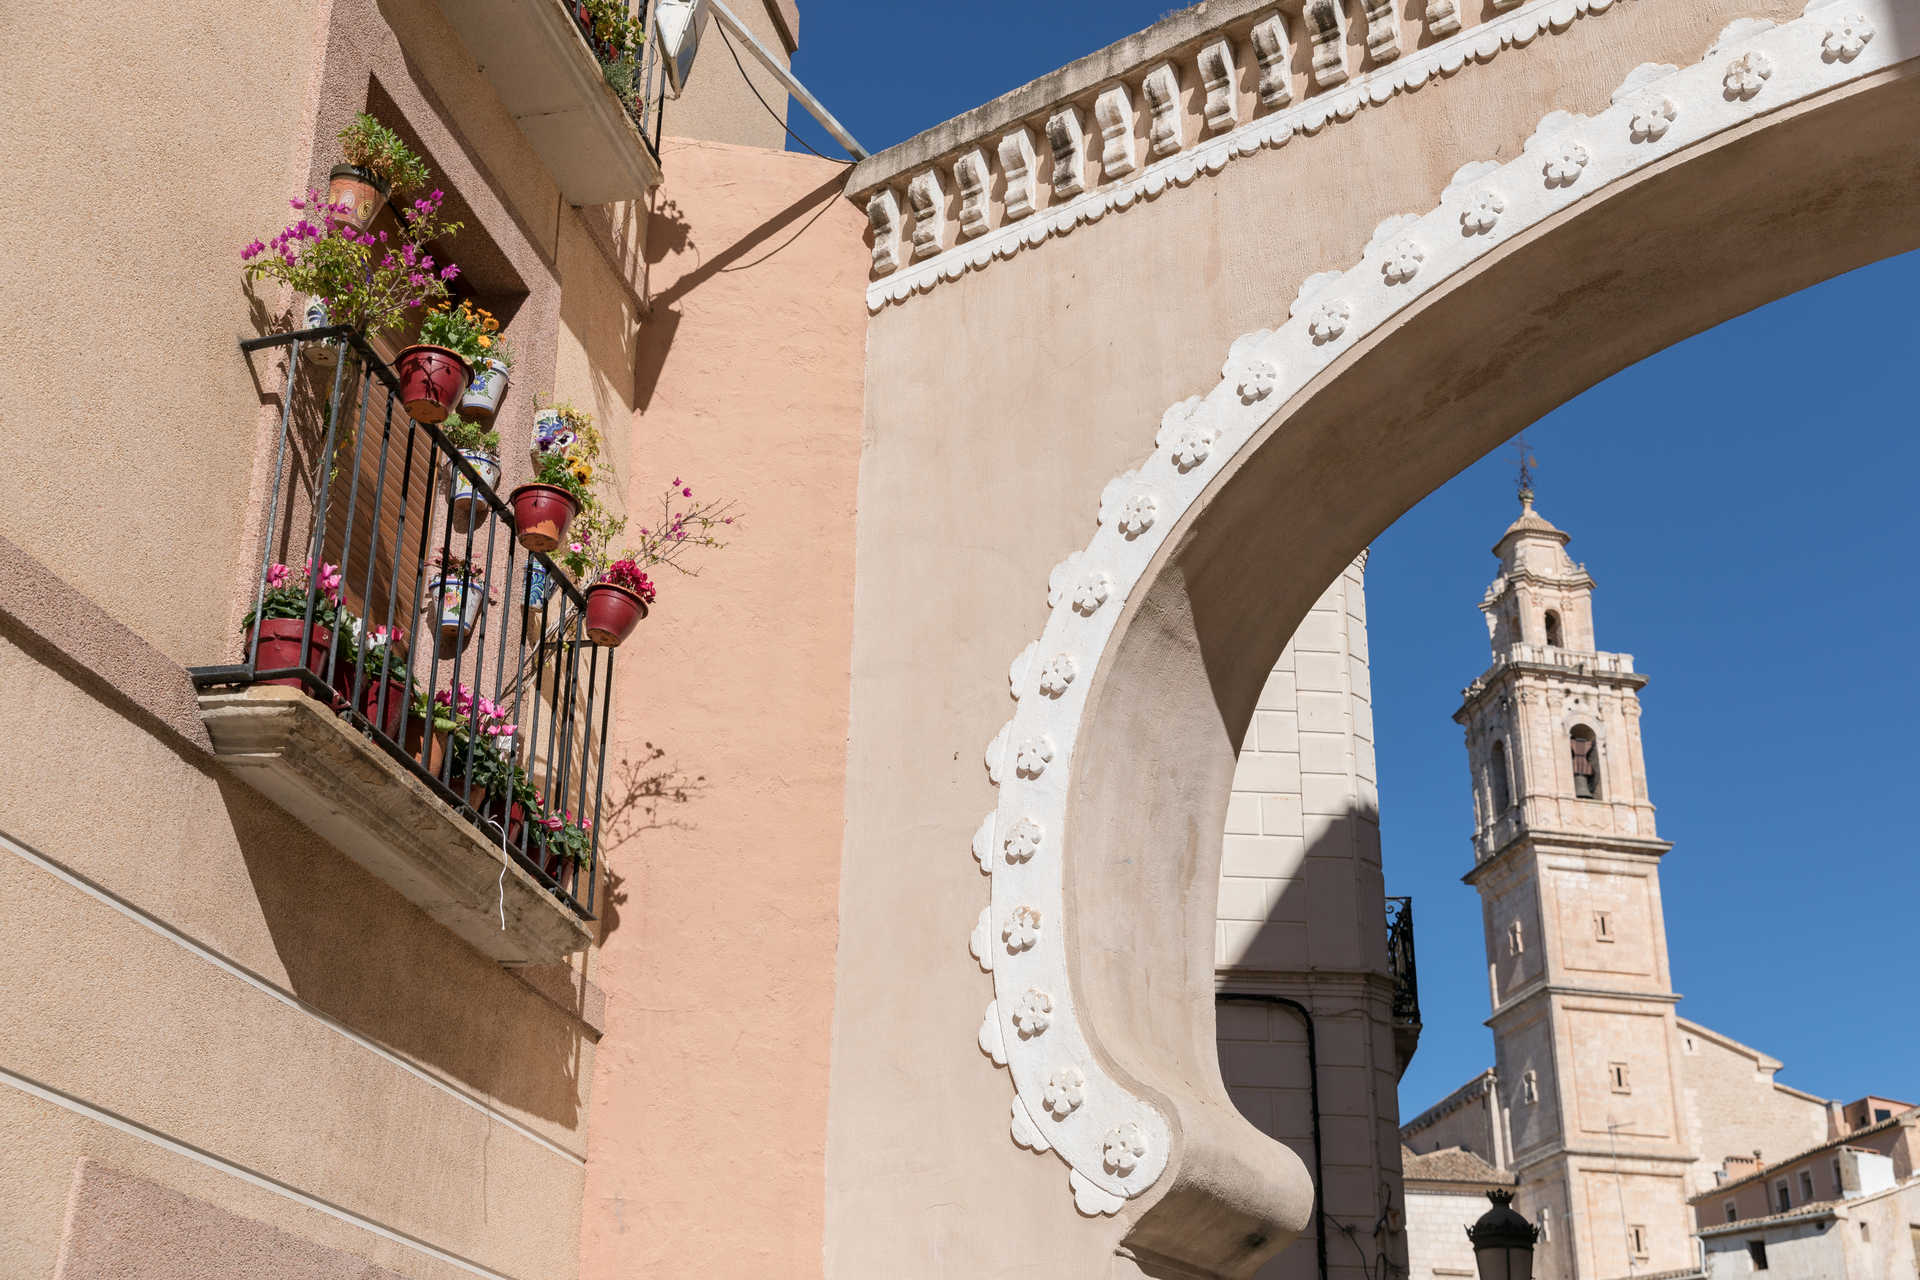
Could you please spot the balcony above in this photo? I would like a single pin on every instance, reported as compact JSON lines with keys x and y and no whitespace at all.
{"x":354,"y":795}
{"x":546,"y":75}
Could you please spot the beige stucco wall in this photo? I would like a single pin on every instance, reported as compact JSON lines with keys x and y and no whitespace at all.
{"x":999,"y":405}
{"x":710,"y":1094}
{"x":718,"y":105}
{"x":1735,"y":1108}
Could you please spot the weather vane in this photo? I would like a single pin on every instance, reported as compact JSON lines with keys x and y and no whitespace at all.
{"x":1524,"y":454}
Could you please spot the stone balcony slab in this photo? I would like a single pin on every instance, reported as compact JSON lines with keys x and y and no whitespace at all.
{"x":352,"y":794}
{"x":547,"y":77}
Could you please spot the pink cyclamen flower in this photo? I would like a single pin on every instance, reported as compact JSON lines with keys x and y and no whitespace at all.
{"x":278,"y":575}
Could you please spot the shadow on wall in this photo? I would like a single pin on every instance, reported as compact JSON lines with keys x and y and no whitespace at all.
{"x":644,"y":794}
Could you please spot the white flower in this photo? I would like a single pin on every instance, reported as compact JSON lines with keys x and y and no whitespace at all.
{"x":1403,"y":262}
{"x":1566,"y":160}
{"x":1190,"y":448}
{"x":1747,"y":74}
{"x":1022,"y":930}
{"x":1329,"y":321}
{"x":1066,"y":1090}
{"x":1058,"y":674}
{"x":1483,"y":214}
{"x":1258,"y":381}
{"x":1123,"y":1148}
{"x":1023,"y":841}
{"x":1092,"y":593}
{"x":1034,"y":1013}
{"x":1846,"y":38}
{"x":1034,"y":755}
{"x":1137,"y":514}
{"x":1652,"y":118}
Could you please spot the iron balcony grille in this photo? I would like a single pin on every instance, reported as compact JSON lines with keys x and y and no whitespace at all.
{"x":1400,"y":962}
{"x":639,"y":81}
{"x":362,"y":487}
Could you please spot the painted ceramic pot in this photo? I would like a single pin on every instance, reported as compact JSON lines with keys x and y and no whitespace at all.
{"x":282,"y":647}
{"x":541,"y":514}
{"x":432,"y":380}
{"x":455,"y":603}
{"x":539,"y":586}
{"x":488,"y":388}
{"x":361,"y":190}
{"x":551,"y":434}
{"x":612,"y":613}
{"x":325,"y":354}
{"x":467,"y":508}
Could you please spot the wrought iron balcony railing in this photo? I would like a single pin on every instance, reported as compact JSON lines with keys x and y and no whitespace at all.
{"x":502,"y":710}
{"x":638,"y":80}
{"x":1400,"y":963}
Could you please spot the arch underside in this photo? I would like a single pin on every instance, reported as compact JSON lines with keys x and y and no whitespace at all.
{"x":1600,"y":246}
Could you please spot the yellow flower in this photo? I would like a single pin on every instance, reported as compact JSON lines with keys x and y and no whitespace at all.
{"x":485,"y":342}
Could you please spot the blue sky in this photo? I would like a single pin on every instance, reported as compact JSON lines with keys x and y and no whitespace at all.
{"x":1744,"y":501}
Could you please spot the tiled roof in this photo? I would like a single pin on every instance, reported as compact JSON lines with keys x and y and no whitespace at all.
{"x":1818,"y":1209}
{"x":1831,"y":1144}
{"x":1452,"y":1164}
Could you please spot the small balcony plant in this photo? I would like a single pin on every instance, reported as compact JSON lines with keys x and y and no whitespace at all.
{"x":458,"y":588}
{"x":621,"y":597}
{"x":491,"y":372}
{"x":279,"y":624}
{"x":479,"y":444}
{"x":543,"y":509}
{"x":381,"y":655}
{"x":565,"y":845}
{"x":378,"y":165}
{"x":435,"y":372}
{"x":471,"y":742}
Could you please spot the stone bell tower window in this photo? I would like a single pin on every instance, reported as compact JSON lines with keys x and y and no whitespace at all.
{"x":1586,"y":763}
{"x":1553,"y":629}
{"x":1502,"y":785}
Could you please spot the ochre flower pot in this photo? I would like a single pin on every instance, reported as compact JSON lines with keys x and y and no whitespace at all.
{"x":456,"y":773}
{"x":281,"y":646}
{"x":432,"y":380}
{"x":612,"y":613}
{"x":360,"y":190}
{"x":541,"y":514}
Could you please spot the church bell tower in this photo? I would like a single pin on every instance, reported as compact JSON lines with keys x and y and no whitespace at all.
{"x":1566,"y":860}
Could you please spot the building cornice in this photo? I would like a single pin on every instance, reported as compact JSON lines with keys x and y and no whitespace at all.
{"x":1535,"y":992}
{"x":1545,"y":841}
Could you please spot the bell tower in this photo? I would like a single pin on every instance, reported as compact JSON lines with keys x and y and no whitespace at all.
{"x":1566,"y":860}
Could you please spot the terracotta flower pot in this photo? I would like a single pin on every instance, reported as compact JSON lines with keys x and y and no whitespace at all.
{"x":513,"y":817}
{"x":612,"y":613}
{"x":397,"y":718}
{"x":432,"y":380}
{"x":488,"y":388}
{"x":541,"y":514}
{"x":437,"y":759}
{"x":361,"y":190}
{"x":557,"y":867}
{"x":281,"y":648}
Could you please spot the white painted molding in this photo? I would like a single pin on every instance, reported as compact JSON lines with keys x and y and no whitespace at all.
{"x":1383,"y":30}
{"x":1218,"y":76}
{"x":970,"y":172}
{"x":1067,"y":139}
{"x":883,"y":216}
{"x":1166,"y":122}
{"x":1119,"y":149}
{"x":1017,"y":166}
{"x":1115,"y":1143}
{"x":1274,"y":52}
{"x":929,"y":200}
{"x":1443,"y":17}
{"x":1074,"y":204}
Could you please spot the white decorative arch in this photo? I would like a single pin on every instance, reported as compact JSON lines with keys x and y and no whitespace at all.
{"x":1115,"y":1142}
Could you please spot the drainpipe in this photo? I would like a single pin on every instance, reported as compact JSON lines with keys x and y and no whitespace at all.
{"x":1313,"y":1093}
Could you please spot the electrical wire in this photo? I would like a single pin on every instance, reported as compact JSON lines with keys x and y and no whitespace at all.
{"x":754,"y":89}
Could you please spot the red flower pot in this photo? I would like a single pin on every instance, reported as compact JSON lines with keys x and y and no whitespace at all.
{"x":612,"y":613}
{"x":360,"y":190}
{"x":513,"y":817}
{"x":397,"y":717}
{"x":281,"y":646}
{"x":557,"y":866}
{"x":541,"y":514}
{"x":432,"y":380}
{"x":457,"y":771}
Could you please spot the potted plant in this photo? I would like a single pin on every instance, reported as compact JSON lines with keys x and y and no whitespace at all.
{"x":435,"y":371}
{"x":466,"y":747}
{"x":458,"y":588}
{"x":543,"y":509}
{"x":619,"y":600}
{"x":378,"y":164}
{"x":566,"y":845}
{"x":279,"y":625}
{"x":389,"y":693}
{"x":561,"y":428}
{"x":493,"y":371}
{"x":480,"y":446}
{"x":362,"y":280}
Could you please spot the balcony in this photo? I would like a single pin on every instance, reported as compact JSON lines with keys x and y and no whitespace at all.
{"x":1406,"y":980}
{"x":541,"y":61}
{"x":452,"y":744}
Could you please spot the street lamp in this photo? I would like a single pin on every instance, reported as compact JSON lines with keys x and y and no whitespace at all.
{"x":1503,"y":1241}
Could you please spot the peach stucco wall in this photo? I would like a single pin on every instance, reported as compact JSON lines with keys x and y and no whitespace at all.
{"x":710,"y":1092}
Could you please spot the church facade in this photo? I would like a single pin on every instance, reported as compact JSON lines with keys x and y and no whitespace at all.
{"x":1608,"y":1109}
